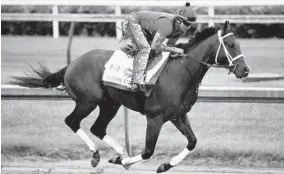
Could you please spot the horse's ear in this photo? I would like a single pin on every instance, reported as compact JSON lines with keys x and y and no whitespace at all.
{"x":226,"y":27}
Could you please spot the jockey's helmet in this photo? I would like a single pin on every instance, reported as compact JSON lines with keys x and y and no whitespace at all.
{"x":186,"y":14}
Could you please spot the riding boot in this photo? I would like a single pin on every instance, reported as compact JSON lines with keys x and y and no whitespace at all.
{"x":138,"y":80}
{"x":139,"y":74}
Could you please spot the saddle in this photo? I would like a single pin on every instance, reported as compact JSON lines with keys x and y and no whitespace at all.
{"x":119,"y":68}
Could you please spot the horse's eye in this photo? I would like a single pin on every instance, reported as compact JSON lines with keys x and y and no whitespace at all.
{"x":231,"y":45}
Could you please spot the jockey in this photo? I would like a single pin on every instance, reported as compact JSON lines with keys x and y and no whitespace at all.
{"x":146,"y":30}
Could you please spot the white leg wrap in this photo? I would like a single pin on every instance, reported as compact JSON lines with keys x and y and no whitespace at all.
{"x":132,"y":160}
{"x":87,"y":140}
{"x":112,"y":143}
{"x":177,"y":159}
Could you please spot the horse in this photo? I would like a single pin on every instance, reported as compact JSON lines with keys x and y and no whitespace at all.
{"x":172,"y":97}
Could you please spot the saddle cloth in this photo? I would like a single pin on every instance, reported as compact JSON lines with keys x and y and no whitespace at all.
{"x":119,"y":68}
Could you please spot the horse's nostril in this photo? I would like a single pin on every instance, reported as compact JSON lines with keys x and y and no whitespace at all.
{"x":246,"y":69}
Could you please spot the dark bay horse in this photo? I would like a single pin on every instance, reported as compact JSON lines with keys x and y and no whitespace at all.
{"x":172,"y":97}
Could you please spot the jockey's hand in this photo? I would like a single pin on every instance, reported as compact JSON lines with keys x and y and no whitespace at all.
{"x":178,"y":52}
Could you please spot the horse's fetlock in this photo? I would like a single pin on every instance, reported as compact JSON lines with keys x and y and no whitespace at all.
{"x":192,"y":144}
{"x":147,"y":154}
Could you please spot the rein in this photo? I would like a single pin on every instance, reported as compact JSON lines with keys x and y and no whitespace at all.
{"x":205,"y":64}
{"x":197,"y":61}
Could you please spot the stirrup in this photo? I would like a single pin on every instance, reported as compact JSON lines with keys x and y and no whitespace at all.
{"x":142,"y":87}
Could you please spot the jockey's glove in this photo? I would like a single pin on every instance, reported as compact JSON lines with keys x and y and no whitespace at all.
{"x":177,"y":52}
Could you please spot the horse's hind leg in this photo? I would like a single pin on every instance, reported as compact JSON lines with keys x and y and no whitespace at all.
{"x":183,"y":125}
{"x":73,"y":120}
{"x":108,"y":109}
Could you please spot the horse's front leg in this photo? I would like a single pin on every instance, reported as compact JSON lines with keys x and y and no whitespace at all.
{"x":154,"y":125}
{"x":183,"y":125}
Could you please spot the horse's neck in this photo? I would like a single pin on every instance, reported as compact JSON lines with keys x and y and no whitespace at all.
{"x":201,"y":53}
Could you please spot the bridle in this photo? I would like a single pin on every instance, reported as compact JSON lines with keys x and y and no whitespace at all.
{"x":231,"y":66}
{"x":230,"y":58}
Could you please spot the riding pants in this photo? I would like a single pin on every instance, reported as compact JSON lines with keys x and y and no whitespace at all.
{"x":132,"y":30}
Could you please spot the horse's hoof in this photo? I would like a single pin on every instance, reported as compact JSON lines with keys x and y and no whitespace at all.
{"x":115,"y":160}
{"x":164,"y":167}
{"x":96,"y":159}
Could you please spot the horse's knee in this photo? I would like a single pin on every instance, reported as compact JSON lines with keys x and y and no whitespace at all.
{"x":147,"y":154}
{"x":98,"y":132}
{"x":192,"y":144}
{"x":72,"y":123}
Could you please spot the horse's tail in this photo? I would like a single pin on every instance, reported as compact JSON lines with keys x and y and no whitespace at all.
{"x":41,"y":77}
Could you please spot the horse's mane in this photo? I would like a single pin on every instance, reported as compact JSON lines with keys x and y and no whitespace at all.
{"x":197,"y":38}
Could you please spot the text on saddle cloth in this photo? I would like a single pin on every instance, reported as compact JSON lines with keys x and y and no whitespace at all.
{"x":119,"y":69}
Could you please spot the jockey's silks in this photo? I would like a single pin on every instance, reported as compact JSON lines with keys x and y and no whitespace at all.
{"x":166,"y":23}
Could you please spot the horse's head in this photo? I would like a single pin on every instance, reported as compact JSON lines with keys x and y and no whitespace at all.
{"x":229,"y":53}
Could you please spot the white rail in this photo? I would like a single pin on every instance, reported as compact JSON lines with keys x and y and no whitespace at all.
{"x":206,"y":94}
{"x":145,"y":2}
{"x":70,"y":17}
{"x":211,"y":18}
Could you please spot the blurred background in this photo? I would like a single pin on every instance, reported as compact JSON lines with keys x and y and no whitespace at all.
{"x":245,"y":29}
{"x":247,"y":132}
{"x":43,"y":30}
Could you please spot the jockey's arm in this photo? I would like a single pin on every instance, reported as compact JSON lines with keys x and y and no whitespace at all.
{"x":172,"y":42}
{"x":161,"y":35}
{"x":158,"y":44}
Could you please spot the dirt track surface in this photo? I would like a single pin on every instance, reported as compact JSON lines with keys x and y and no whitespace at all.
{"x":106,"y":168}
